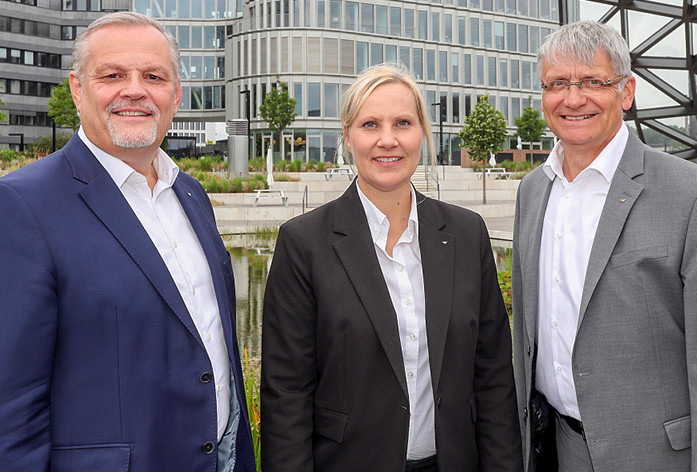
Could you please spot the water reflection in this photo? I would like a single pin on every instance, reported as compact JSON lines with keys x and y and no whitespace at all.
{"x":251,"y":259}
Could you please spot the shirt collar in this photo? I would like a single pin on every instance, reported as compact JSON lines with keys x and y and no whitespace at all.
{"x":605,"y":164}
{"x":166,"y":169}
{"x":376,"y":218}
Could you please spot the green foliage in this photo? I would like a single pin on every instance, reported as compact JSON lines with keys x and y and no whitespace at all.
{"x":3,"y":116}
{"x":530,"y":126}
{"x":278,"y":107}
{"x":295,"y":166}
{"x":215,"y":184}
{"x":61,"y":107}
{"x":44,"y":144}
{"x":484,"y":131}
{"x":321,"y":166}
{"x":7,"y":155}
{"x":256,"y":164}
{"x":253,"y":397}
{"x":205,"y":164}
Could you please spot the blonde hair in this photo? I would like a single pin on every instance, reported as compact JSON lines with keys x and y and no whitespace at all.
{"x":369,"y":80}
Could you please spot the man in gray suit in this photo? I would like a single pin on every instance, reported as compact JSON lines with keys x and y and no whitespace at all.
{"x":604,"y":277}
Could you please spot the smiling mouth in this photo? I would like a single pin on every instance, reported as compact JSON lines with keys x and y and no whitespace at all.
{"x":131,"y":113}
{"x":387,"y":159}
{"x":577,"y":118}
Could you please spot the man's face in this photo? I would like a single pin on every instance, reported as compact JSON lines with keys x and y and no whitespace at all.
{"x":585,"y":121}
{"x":128,"y":95}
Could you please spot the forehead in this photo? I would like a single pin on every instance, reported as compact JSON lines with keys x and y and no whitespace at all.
{"x":399,"y":96}
{"x":562,"y":66}
{"x":128,"y":44}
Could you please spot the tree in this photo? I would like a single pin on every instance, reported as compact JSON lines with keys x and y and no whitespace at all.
{"x":278,"y":109}
{"x":3,"y":116}
{"x":484,"y":132}
{"x":530,"y":126}
{"x":61,"y":107}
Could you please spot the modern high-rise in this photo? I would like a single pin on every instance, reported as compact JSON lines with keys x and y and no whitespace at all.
{"x":458,"y":50}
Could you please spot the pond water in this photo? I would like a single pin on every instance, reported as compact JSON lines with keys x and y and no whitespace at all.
{"x":251,"y":259}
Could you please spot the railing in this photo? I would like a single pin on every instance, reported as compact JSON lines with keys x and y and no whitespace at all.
{"x":306,"y":199}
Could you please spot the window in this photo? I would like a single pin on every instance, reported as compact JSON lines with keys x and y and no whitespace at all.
{"x":404,"y":57}
{"x":448,"y":28}
{"x":423,"y":25}
{"x":395,"y":21}
{"x":474,"y":31}
{"x":480,"y":70}
{"x":503,"y":72}
{"x":381,"y":20}
{"x":209,"y":67}
{"x":499,"y":41}
{"x":443,"y":66}
{"x":435,"y":26}
{"x":503,"y":108}
{"x":331,"y":100}
{"x":430,"y":65}
{"x":314,"y":95}
{"x":526,"y":75}
{"x":390,"y":53}
{"x":515,"y":108}
{"x":418,"y":68}
{"x":486,"y":31}
{"x":367,"y":18}
{"x":376,"y":54}
{"x":352,"y":16}
{"x":196,"y":37}
{"x":456,"y":107}
{"x":321,"y":23}
{"x":361,"y":56}
{"x":409,"y":23}
{"x":335,"y":14}
{"x":515,"y":73}
{"x":534,"y":39}
{"x":461,"y":39}
{"x":511,"y":37}
{"x":491,"y":70}
{"x":523,"y":38}
{"x":468,"y":68}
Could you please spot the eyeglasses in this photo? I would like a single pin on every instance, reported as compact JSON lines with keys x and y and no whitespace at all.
{"x":585,"y":85}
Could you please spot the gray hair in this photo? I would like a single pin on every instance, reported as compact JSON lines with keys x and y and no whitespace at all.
{"x":580,"y":42}
{"x":123,"y":18}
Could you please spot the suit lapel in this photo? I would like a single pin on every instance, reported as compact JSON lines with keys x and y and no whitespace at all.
{"x":538,"y":208}
{"x":356,"y":252}
{"x":105,"y":200}
{"x":622,"y":195}
{"x":438,"y":262}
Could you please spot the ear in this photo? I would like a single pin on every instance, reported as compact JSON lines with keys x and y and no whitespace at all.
{"x":628,"y":93}
{"x":177,"y":98}
{"x":75,"y":90}
{"x":347,"y":142}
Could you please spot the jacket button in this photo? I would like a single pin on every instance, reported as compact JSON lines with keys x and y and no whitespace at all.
{"x":208,"y":447}
{"x":525,"y":412}
{"x":206,"y":377}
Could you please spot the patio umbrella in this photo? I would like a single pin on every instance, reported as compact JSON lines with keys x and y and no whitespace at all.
{"x":269,"y":166}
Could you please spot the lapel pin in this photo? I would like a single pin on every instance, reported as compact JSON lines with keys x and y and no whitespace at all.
{"x":622,"y":200}
{"x":188,"y":193}
{"x":444,"y":242}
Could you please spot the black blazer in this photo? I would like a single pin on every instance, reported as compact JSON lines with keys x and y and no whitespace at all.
{"x":333,"y":387}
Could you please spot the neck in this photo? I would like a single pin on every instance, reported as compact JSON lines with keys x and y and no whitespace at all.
{"x":140,"y":160}
{"x":396,"y":206}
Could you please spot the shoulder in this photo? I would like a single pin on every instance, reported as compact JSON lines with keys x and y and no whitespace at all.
{"x":39,"y":177}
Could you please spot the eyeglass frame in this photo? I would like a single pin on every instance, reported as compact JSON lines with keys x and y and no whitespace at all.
{"x":568,"y":85}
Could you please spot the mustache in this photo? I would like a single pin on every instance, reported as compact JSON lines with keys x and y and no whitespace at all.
{"x":133,"y":104}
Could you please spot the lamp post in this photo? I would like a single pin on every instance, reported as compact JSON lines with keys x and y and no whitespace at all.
{"x":249,"y":122}
{"x":440,"y":131}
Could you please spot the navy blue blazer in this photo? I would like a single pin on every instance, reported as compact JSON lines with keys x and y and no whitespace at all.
{"x":101,"y":366}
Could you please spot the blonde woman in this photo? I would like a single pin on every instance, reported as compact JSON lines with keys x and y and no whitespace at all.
{"x":386,"y":345}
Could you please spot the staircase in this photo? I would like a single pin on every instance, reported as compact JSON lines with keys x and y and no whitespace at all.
{"x":426,"y":182}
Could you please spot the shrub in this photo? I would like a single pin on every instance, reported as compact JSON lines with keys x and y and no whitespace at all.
{"x":295,"y":166}
{"x":256,"y":164}
{"x":7,"y":155}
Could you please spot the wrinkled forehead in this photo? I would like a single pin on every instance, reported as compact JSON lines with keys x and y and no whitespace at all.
{"x":576,"y":59}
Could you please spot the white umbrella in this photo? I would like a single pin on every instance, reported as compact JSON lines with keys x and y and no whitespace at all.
{"x":269,"y":165}
{"x":519,"y":146}
{"x":492,"y":161}
{"x":340,"y":153}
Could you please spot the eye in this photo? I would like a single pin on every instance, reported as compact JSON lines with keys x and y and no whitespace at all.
{"x":113,"y":75}
{"x":594,"y":82}
{"x":403,"y":123}
{"x":153,"y":77}
{"x":557,"y":83}
{"x":369,"y":125}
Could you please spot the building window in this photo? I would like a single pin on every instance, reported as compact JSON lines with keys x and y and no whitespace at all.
{"x":321,"y":23}
{"x":404,"y":57}
{"x":461,"y":39}
{"x":480,"y":70}
{"x":423,"y":25}
{"x":335,"y":14}
{"x":456,"y":107}
{"x":455,"y":74}
{"x":499,"y":40}
{"x":395,"y":21}
{"x":409,"y":23}
{"x":376,"y":54}
{"x":298,"y":96}
{"x":526,"y":75}
{"x":534,"y":39}
{"x":443,"y":66}
{"x":361,"y":56}
{"x":331,"y":100}
{"x":523,"y":38}
{"x":511,"y":37}
{"x":503,"y":72}
{"x":314,"y":94}
{"x":515,"y":74}
{"x":430,"y":65}
{"x":468,"y":68}
{"x":491,"y":69}
{"x":435,"y":26}
{"x":352,"y":16}
{"x":448,"y":19}
{"x":381,"y":20}
{"x":474,"y":31}
{"x":418,"y":68}
{"x":367,"y":23}
{"x":390,"y":53}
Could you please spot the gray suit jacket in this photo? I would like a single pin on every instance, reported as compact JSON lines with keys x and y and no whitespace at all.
{"x":635,"y":355}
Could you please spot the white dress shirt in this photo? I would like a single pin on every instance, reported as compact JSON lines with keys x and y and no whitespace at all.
{"x":403,"y":275}
{"x":571,"y":219}
{"x":164,"y":219}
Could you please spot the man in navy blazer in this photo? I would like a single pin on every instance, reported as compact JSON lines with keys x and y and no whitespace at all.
{"x":117,"y":322}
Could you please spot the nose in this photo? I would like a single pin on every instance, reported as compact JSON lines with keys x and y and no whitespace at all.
{"x":133,"y":88}
{"x":575,"y":96}
{"x":388,"y":139}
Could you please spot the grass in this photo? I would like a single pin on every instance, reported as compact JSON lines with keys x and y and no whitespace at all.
{"x":251,"y":390}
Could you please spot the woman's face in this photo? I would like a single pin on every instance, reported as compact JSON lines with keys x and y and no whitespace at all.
{"x":385,"y":140}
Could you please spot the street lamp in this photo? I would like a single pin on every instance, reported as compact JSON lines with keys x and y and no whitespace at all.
{"x":440,"y":121}
{"x":249,"y":122}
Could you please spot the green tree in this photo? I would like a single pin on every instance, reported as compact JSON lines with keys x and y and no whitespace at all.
{"x":530,"y":126}
{"x":61,"y":107}
{"x":3,"y":116}
{"x":484,"y":133}
{"x":278,"y":109}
